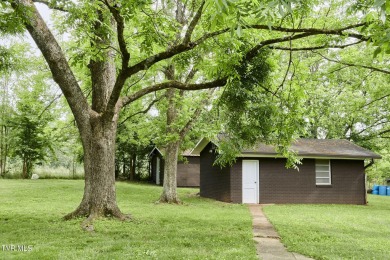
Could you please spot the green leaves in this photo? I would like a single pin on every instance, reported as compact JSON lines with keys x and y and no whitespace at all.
{"x":31,"y":139}
{"x":10,"y":21}
{"x":224,"y":5}
{"x":254,"y":112}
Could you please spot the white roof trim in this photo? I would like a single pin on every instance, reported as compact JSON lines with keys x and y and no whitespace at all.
{"x":200,"y":146}
{"x":155,"y":148}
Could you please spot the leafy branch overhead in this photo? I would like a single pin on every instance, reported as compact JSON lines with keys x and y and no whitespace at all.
{"x":186,"y":45}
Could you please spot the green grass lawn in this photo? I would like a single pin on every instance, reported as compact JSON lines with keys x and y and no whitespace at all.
{"x":31,"y":211}
{"x":335,"y":231}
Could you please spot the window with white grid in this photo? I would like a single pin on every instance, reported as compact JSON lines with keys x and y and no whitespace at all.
{"x":323,"y":172}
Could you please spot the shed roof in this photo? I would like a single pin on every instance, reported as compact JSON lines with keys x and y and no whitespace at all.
{"x":308,"y":148}
{"x":161,"y":152}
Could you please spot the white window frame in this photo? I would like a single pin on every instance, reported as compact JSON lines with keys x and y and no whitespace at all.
{"x":329,"y":171}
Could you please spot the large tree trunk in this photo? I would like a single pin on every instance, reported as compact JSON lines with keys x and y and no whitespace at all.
{"x":169,"y":193}
{"x":99,"y":198}
{"x":102,"y":154}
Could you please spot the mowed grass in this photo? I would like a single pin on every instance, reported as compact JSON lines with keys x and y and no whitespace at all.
{"x":31,"y":211}
{"x":335,"y":231}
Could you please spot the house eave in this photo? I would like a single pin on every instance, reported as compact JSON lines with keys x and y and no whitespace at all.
{"x":258,"y":155}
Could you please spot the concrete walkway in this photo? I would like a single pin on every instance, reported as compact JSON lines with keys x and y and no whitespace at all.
{"x":268,"y":245}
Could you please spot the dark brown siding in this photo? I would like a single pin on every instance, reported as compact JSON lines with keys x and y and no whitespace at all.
{"x":188,"y":172}
{"x":236,"y":181}
{"x":214,"y":181}
{"x":281,"y":185}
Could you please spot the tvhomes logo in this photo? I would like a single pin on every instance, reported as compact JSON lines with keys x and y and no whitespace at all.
{"x":17,"y":248}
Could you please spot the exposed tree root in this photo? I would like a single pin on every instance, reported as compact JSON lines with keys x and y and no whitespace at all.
{"x":87,"y":224}
{"x":164,"y":199}
{"x":81,"y":211}
{"x":93,"y":214}
{"x":116,"y":213}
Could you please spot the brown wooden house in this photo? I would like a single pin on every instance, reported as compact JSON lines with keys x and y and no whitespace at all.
{"x":188,"y":169}
{"x":332,"y":171}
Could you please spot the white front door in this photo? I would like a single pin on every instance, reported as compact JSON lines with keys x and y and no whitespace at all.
{"x":158,"y":171}
{"x":250,"y":181}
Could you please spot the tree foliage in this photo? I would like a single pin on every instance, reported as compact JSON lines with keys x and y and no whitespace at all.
{"x":31,"y":135}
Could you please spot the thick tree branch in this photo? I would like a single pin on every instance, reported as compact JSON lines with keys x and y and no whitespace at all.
{"x":122,"y":76}
{"x":173,"y":84}
{"x":305,"y":32}
{"x":58,"y":64}
{"x":311,"y":31}
{"x":253,"y":52}
{"x":325,"y":46}
{"x":301,"y":30}
{"x":193,"y":23}
{"x":221,"y":82}
{"x":120,"y":25}
{"x":175,"y":50}
{"x":150,"y":61}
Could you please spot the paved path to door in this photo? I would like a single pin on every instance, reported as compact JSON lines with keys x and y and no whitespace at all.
{"x":268,"y":245}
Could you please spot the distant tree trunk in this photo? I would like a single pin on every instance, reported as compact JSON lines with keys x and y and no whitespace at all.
{"x":2,"y":151}
{"x":74,"y":167}
{"x":169,"y":193}
{"x":6,"y":150}
{"x":132,"y":161}
{"x":24,"y":170}
{"x":124,"y":165}
{"x":4,"y":130}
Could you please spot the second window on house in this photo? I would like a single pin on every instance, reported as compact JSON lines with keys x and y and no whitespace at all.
{"x":323,"y":172}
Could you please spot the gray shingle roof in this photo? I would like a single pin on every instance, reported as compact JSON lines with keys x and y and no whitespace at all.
{"x":326,"y":148}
